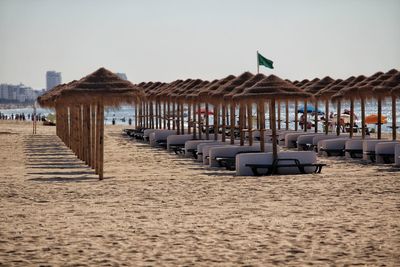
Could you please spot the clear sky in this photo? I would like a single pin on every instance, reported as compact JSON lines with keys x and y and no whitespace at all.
{"x":162,"y":40}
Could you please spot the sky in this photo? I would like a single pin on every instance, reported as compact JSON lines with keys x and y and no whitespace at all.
{"x":160,"y":40}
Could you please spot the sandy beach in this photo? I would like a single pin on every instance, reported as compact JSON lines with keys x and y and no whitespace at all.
{"x":157,"y":209}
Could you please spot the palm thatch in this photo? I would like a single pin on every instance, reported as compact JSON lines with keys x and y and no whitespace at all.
{"x":229,"y":90}
{"x":318,"y":85}
{"x":101,"y":86}
{"x":333,"y":88}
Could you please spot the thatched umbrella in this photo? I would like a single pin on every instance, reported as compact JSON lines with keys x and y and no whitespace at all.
{"x":305,"y":111}
{"x":299,"y":84}
{"x":388,"y":89}
{"x":349,"y":92}
{"x":315,"y":88}
{"x":328,"y":92}
{"x":101,"y":88}
{"x":229,"y":91}
{"x":272,"y":88}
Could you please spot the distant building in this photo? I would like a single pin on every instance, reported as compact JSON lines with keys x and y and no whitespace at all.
{"x":53,"y":78}
{"x":17,"y":93}
{"x":122,"y":75}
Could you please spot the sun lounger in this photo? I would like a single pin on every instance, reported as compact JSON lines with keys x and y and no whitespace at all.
{"x":332,"y":147}
{"x":206,"y":151}
{"x":305,"y":141}
{"x":318,"y":138}
{"x":226,"y":156}
{"x":291,"y":139}
{"x":369,"y":148}
{"x":397,"y":155}
{"x":282,"y":136}
{"x":353,"y":148}
{"x":202,"y":145}
{"x":384,"y":152}
{"x":191,"y":147}
{"x":159,"y":137}
{"x":177,"y":141}
{"x":289,"y":162}
{"x":146,"y":134}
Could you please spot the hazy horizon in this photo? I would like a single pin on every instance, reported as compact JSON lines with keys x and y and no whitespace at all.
{"x":169,"y":40}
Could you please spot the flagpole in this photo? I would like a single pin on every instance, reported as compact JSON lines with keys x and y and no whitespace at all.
{"x":258,"y":64}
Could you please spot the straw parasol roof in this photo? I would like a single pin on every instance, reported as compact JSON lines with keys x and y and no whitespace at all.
{"x":333,"y":88}
{"x":318,"y":85}
{"x":101,"y":86}
{"x":309,"y":83}
{"x":396,"y":91}
{"x":273,"y":87}
{"x":384,"y":89}
{"x":229,"y":90}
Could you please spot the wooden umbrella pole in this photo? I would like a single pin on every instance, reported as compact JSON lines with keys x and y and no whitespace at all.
{"x":136,"y":115}
{"x":326,"y":116}
{"x":233,"y":122}
{"x":351,"y":117}
{"x":305,"y":114}
{"x":363,"y":118}
{"x":100,"y":140}
{"x":189,"y":116}
{"x":296,"y":115}
{"x":262,"y":125}
{"x":241,"y":122}
{"x":287,"y":114}
{"x":178,"y":128}
{"x":168,"y":115}
{"x":394,"y":126}
{"x":316,"y":116}
{"x":80,"y":133}
{"x":199,"y":121}
{"x":216,"y":121}
{"x":194,"y":120}
{"x":159,"y":115}
{"x":223,"y":122}
{"x":152,"y":122}
{"x":379,"y":117}
{"x":182,"y":119}
{"x":173,"y":116}
{"x":207,"y":122}
{"x":338,"y":118}
{"x":279,"y":114}
{"x":164,"y":115}
{"x":93,"y":136}
{"x":274,"y":139}
{"x":250,"y":122}
{"x":88,"y":137}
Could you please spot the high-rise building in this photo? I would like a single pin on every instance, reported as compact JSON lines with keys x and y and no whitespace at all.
{"x":53,"y":78}
{"x":122,"y":75}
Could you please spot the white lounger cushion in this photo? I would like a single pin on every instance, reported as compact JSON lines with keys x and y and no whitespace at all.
{"x":160,"y":134}
{"x":354,"y":144}
{"x":369,"y":146}
{"x":147,"y":132}
{"x":384,"y":148}
{"x":306,"y":139}
{"x":206,"y":150}
{"x":266,"y":158}
{"x":318,"y":138}
{"x":336,"y":143}
{"x":202,"y":145}
{"x":397,"y":155}
{"x":291,"y":139}
{"x":231,"y":151}
{"x":178,"y":139}
{"x":192,"y":144}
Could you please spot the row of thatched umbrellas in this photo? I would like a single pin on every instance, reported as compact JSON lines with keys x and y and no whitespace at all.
{"x":80,"y":105}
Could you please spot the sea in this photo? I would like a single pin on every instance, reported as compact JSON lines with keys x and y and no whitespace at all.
{"x":122,"y":114}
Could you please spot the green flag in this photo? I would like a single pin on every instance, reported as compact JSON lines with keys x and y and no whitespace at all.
{"x":264,"y":61}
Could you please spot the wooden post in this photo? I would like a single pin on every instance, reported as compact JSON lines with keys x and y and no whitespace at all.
{"x":216,"y":122}
{"x":316,"y":116}
{"x":173,"y":116}
{"x":87,"y":136}
{"x":296,"y":115}
{"x":305,"y":115}
{"x":274,"y":138}
{"x":182,"y":119}
{"x":326,"y":116}
{"x":178,"y":124}
{"x":169,"y":115}
{"x":233,"y":122}
{"x":338,"y":118}
{"x":287,"y":114}
{"x":164,"y":115}
{"x":250,"y":122}
{"x":241,"y":122}
{"x":189,"y":115}
{"x":207,"y":122}
{"x":199,"y":121}
{"x":379,"y":117}
{"x":363,"y":118}
{"x":223,"y":122}
{"x":279,"y":114}
{"x":194,"y":121}
{"x":351,"y":117}
{"x":100,"y":140}
{"x":394,"y":126}
{"x":261,"y":105}
{"x":94,"y":137}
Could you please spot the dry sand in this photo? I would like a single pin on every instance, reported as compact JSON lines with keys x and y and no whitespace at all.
{"x":157,"y":209}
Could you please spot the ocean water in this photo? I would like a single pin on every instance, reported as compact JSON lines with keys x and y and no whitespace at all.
{"x":122,"y":114}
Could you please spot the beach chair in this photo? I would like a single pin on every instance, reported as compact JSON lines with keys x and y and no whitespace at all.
{"x":291,"y":139}
{"x":305,"y":141}
{"x":353,"y":148}
{"x":226,"y":156}
{"x":288,"y":162}
{"x":384,"y":152}
{"x":332,"y":147}
{"x":202,"y":145}
{"x":369,"y":148}
{"x":176,"y":143}
{"x":146,"y":134}
{"x":191,"y":147}
{"x":397,"y":155}
{"x":206,"y":151}
{"x":318,"y":138}
{"x":159,"y":137}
